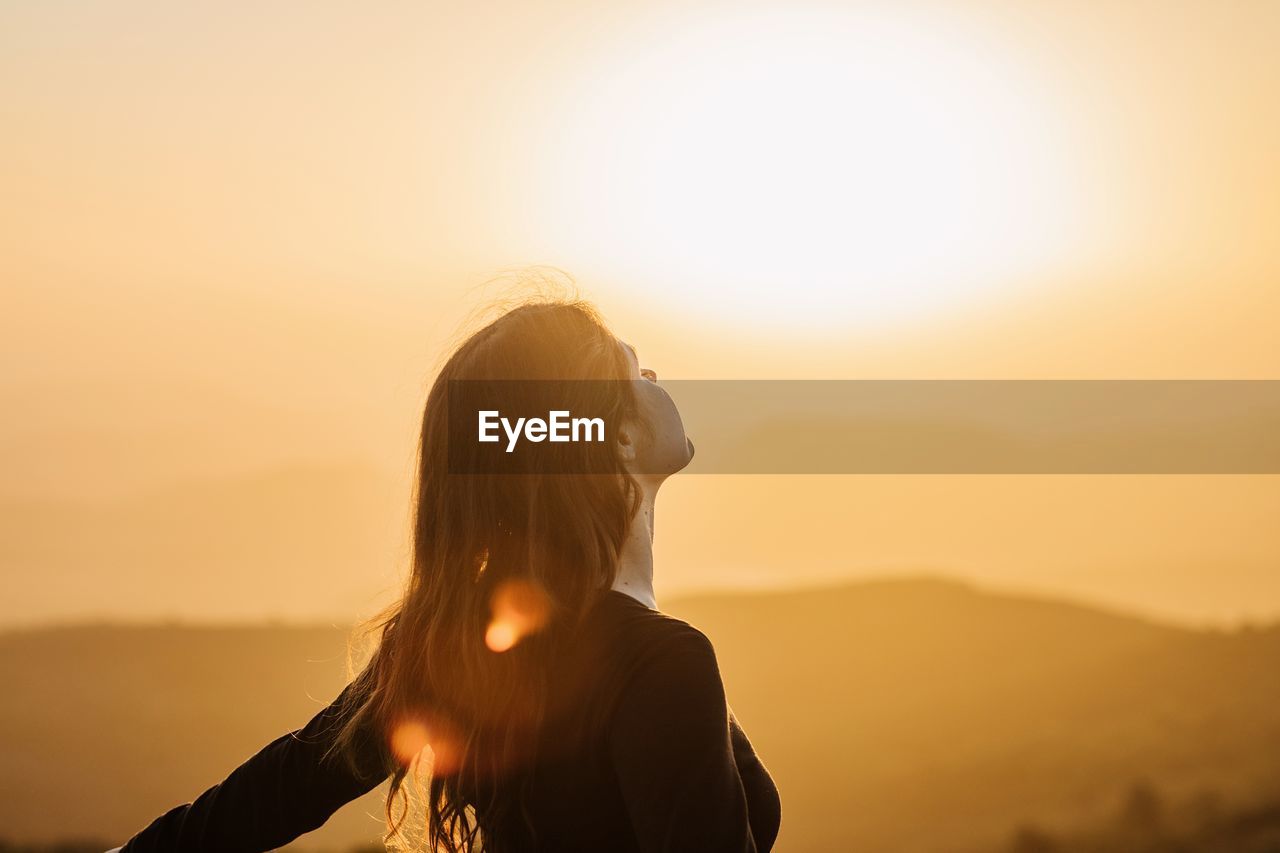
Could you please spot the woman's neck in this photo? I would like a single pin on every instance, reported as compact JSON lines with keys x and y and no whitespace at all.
{"x":635,"y":564}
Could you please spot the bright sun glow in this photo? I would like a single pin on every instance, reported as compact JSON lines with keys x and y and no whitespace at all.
{"x":811,"y":168}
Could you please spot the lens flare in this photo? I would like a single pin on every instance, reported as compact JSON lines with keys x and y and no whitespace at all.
{"x":431,"y":745}
{"x":519,"y":608}
{"x":408,"y":739}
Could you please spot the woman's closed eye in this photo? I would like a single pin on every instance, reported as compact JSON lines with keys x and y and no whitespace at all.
{"x":651,"y":375}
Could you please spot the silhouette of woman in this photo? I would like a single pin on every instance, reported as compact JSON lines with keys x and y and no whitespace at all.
{"x":526,"y":671}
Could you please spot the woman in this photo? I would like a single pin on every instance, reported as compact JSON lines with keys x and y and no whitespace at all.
{"x":526,"y":672}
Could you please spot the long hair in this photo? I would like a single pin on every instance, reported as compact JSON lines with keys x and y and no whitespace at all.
{"x":503,"y":567}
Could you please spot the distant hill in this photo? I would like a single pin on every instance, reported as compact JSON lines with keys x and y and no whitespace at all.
{"x":121,"y":723}
{"x":920,"y":715}
{"x":903,"y":715}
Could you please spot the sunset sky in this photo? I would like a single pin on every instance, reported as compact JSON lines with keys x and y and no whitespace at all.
{"x":238,"y":238}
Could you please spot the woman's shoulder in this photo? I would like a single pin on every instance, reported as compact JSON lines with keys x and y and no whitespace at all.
{"x":643,"y":641}
{"x":633,"y":659}
{"x":636,"y":622}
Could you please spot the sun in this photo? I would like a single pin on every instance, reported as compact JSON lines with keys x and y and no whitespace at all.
{"x":810,"y":169}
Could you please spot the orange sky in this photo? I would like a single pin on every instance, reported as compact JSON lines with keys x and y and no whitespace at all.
{"x":237,"y":237}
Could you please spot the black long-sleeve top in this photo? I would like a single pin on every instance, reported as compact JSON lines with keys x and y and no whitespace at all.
{"x":640,"y":753}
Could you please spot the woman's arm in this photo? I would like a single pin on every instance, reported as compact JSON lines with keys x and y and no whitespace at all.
{"x":672,"y":750}
{"x":283,"y":791}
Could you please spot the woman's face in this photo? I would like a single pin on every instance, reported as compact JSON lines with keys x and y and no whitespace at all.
{"x":662,"y":448}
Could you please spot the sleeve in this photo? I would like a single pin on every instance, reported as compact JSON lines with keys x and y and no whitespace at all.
{"x":671,"y":748}
{"x":285,"y":790}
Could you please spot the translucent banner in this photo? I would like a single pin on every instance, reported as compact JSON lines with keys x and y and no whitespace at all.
{"x":884,"y":426}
